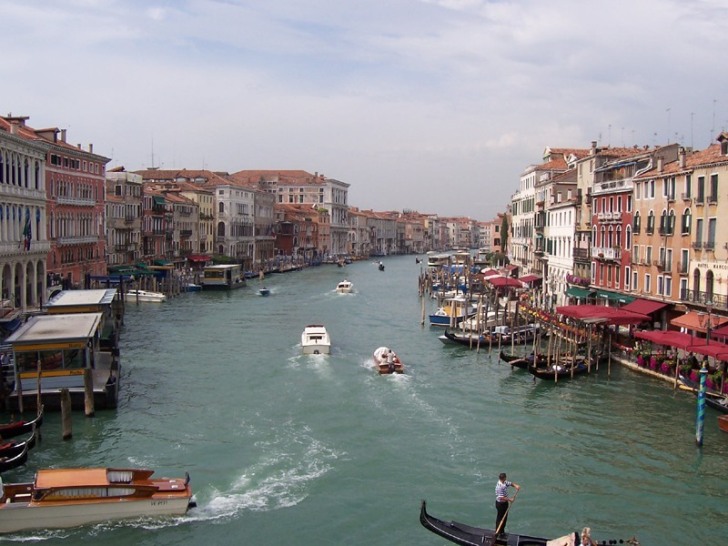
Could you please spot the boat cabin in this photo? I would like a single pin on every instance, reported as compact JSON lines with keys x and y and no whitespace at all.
{"x":57,"y":351}
{"x":222,"y":277}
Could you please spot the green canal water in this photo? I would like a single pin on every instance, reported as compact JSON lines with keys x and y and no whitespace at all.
{"x":290,"y":449}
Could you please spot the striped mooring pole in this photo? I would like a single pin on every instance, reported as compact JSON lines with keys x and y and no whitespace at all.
{"x":701,"y":407}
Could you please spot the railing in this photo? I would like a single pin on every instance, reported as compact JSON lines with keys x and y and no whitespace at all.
{"x":702,"y":298}
{"x":698,"y":245}
{"x":709,"y":245}
{"x":62,"y":241}
{"x":686,"y":197}
{"x":581,"y":254}
{"x":712,"y":199}
{"x":659,"y":264}
{"x":185,"y":233}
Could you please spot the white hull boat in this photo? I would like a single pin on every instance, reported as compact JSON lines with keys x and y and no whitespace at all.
{"x":145,"y":296}
{"x":63,"y":498}
{"x":315,"y":340}
{"x":345,"y":287}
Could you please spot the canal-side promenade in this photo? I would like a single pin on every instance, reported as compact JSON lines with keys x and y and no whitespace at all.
{"x":282,"y":446}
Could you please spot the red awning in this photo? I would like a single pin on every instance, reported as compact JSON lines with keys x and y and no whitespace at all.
{"x":198,"y":258}
{"x":645,"y":307}
{"x":717,"y":350}
{"x":668,"y":338}
{"x":503,"y":282}
{"x":602,"y":314}
{"x":691,"y":321}
{"x":529,"y":278}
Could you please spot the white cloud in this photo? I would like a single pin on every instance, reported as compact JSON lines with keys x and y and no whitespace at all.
{"x":400,"y":98}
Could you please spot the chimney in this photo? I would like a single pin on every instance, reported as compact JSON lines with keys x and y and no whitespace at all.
{"x":681,"y":156}
{"x":91,"y":148}
{"x":593,"y":150}
{"x":63,"y":135}
{"x":660,"y":163}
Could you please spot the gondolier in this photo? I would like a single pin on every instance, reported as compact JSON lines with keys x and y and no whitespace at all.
{"x":501,"y":501}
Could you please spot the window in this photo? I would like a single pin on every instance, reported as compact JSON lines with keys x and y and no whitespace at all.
{"x":711,"y":234}
{"x":699,"y":231}
{"x":650,"y":223}
{"x":648,"y":283}
{"x":636,"y":223}
{"x":648,"y":255}
{"x":688,"y":186}
{"x":685,"y":223}
{"x":700,"y":198}
{"x":713,"y":196}
{"x":627,"y":272}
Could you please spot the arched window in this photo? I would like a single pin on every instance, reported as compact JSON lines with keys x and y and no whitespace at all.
{"x":696,"y":285}
{"x":685,"y":222}
{"x":221,"y":207}
{"x":650,"y":223}
{"x":637,"y":223}
{"x":709,"y":281}
{"x":221,"y":229}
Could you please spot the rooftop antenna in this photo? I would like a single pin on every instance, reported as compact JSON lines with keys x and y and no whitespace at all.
{"x":692,"y":115}
{"x":668,"y":124}
{"x":712,"y":129}
{"x":152,"y":165}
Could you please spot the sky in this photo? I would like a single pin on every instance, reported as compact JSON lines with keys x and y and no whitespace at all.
{"x":436,"y":106}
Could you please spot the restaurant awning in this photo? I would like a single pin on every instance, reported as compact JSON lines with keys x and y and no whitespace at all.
{"x":691,"y":321}
{"x":529,"y":278}
{"x":601,"y":314}
{"x":505,"y":282}
{"x":198,"y":258}
{"x":668,"y":338}
{"x":579,"y":293}
{"x":615,"y":297}
{"x":645,"y":307}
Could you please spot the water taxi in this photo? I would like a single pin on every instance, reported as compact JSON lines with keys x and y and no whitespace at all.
{"x":145,"y":296}
{"x":345,"y":287}
{"x":222,"y":277}
{"x":382,"y":364}
{"x":69,"y":497}
{"x":315,"y":340}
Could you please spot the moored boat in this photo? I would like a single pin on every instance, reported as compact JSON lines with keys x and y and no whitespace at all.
{"x":381,"y":361}
{"x":11,"y":448}
{"x":145,"y":296}
{"x":16,"y":428}
{"x":8,"y":462}
{"x":69,"y":497}
{"x":561,"y":368}
{"x":466,"y":339}
{"x":467,"y":535}
{"x":723,"y":423}
{"x":452,"y":312}
{"x":315,"y":340}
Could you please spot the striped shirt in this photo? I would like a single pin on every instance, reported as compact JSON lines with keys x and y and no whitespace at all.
{"x":501,"y":490}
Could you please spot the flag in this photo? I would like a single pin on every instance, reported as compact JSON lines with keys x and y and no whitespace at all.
{"x":27,"y":235}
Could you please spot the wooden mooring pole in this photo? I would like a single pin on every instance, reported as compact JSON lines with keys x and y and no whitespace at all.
{"x":66,"y":423}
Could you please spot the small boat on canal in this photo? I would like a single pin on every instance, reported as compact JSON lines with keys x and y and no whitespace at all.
{"x":345,"y":287}
{"x":315,"y":340}
{"x":8,"y":462}
{"x":11,"y":448}
{"x":145,"y":296}
{"x":70,"y":497}
{"x":467,"y":339}
{"x":264,"y":291}
{"x":467,"y":535}
{"x":381,"y":361}
{"x":560,"y":368}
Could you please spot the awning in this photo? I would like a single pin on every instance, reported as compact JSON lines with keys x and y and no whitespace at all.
{"x":162,"y":262}
{"x":158,"y":200}
{"x":198,"y":258}
{"x":529,"y":278}
{"x":601,"y":314}
{"x":668,"y":338}
{"x":614,"y":296}
{"x":691,"y":321}
{"x":719,"y":351}
{"x":645,"y":307}
{"x":580,"y":293}
{"x":505,"y":282}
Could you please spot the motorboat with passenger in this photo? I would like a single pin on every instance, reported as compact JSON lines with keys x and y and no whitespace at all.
{"x":382,"y":363}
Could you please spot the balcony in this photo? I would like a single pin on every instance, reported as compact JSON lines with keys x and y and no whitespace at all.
{"x":709,"y":245}
{"x":607,"y":253}
{"x":700,"y":200}
{"x":712,"y":199}
{"x":686,"y":197}
{"x":697,"y":245}
{"x":64,"y":241}
{"x":683,"y":269}
{"x":185,"y":233}
{"x":702,"y":298}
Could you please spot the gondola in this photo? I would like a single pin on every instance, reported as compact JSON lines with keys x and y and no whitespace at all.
{"x":713,"y":399}
{"x":465,"y":338}
{"x":8,"y":463}
{"x":460,"y":533}
{"x":522,"y":362}
{"x":559,"y":370}
{"x":12,"y":448}
{"x":16,"y":428}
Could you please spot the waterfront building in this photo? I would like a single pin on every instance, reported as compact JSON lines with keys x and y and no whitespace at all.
{"x":123,"y":217}
{"x":382,"y":232}
{"x":264,"y":218}
{"x":557,"y":224}
{"x":301,"y":187}
{"x":297,"y":232}
{"x":359,"y":243}
{"x":690,"y":244}
{"x":413,"y":232}
{"x":156,"y":229}
{"x":24,"y":244}
{"x":616,"y":228}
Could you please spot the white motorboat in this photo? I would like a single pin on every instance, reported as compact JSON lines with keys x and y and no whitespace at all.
{"x":146,"y":296}
{"x":69,"y":497}
{"x":345,"y":287}
{"x":315,"y":340}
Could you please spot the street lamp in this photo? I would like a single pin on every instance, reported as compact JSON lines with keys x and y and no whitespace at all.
{"x":706,"y":321}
